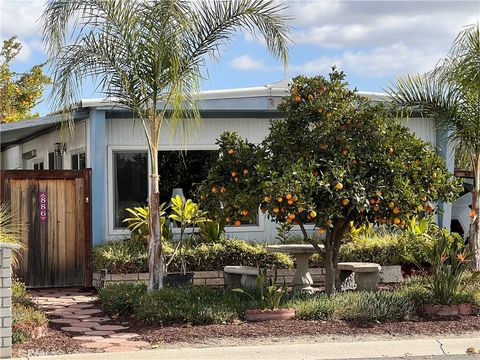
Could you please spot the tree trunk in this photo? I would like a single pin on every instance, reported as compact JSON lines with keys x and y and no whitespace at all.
{"x":474,"y":237}
{"x":156,"y":266}
{"x":330,"y":288}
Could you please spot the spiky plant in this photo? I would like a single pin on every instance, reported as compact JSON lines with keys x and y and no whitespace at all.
{"x":149,"y":55}
{"x":10,"y":231}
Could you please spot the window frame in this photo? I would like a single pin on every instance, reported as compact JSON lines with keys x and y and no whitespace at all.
{"x":78,"y":152}
{"x":111,"y":149}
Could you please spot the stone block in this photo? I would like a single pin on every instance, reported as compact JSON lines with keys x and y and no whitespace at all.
{"x":214,"y":281}
{"x":143,"y":276}
{"x":6,"y":292}
{"x":6,"y":302}
{"x":7,"y":322}
{"x":199,"y":282}
{"x":7,"y":341}
{"x":5,"y":353}
{"x":206,"y":274}
{"x":5,"y":272}
{"x":131,"y":277}
{"x":5,"y":332}
{"x":316,"y":271}
{"x":7,"y":282}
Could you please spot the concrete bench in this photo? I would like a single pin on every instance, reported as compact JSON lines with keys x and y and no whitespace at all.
{"x":240,"y":276}
{"x":367,"y":275}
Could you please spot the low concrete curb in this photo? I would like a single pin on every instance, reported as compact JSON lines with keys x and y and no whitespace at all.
{"x":284,"y":351}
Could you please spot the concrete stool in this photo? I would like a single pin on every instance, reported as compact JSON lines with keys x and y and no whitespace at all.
{"x":367,"y":275}
{"x":240,"y":276}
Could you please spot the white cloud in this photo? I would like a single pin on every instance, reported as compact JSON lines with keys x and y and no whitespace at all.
{"x":247,"y":63}
{"x":395,"y":59}
{"x":21,"y":18}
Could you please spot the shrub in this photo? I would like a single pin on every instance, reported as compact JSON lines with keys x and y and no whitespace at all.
{"x":20,"y":294}
{"x":124,"y":256}
{"x":121,"y":299}
{"x":25,"y":320}
{"x":190,"y":305}
{"x":312,"y":307}
{"x":372,"y":306}
{"x":121,"y":256}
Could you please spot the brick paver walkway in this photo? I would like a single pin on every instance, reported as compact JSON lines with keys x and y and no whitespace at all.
{"x":74,"y":310}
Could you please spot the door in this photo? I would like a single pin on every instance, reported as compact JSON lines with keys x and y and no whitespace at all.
{"x":52,"y":208}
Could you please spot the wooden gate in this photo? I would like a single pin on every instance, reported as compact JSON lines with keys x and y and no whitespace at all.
{"x":53,"y":210}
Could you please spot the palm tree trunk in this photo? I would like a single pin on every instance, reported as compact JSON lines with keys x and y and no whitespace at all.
{"x":474,"y":238}
{"x":156,"y":266}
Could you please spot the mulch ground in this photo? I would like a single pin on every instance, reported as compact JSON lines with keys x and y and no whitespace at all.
{"x":291,"y":328}
{"x":58,"y":342}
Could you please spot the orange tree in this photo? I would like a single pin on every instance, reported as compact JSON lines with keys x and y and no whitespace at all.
{"x":336,"y":160}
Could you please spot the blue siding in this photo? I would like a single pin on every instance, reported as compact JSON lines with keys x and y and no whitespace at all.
{"x":98,"y":164}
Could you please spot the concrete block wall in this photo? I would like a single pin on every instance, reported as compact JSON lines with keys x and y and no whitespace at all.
{"x":6,"y":300}
{"x":211,"y":278}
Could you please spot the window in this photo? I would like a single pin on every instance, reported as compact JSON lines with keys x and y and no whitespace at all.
{"x":38,"y":166}
{"x":130,"y":183}
{"x":78,"y":161}
{"x":184,"y":170}
{"x":55,"y":161}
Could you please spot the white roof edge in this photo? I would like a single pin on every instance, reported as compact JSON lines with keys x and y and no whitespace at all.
{"x":267,"y":90}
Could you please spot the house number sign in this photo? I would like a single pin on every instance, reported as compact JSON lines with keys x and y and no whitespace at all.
{"x":43,"y":200}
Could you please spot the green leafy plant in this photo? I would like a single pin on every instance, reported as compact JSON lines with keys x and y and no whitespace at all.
{"x":20,"y":295}
{"x":138,"y":223}
{"x":211,"y":231}
{"x":266,"y":295}
{"x":283,"y":232}
{"x":449,"y":264}
{"x":185,"y":213}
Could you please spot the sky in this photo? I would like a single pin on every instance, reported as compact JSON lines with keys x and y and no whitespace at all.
{"x":374,"y":42}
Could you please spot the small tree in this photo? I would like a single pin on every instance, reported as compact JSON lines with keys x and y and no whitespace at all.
{"x":19,"y":92}
{"x":336,"y":160}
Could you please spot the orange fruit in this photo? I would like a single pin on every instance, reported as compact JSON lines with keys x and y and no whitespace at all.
{"x":230,"y":151}
{"x":310,"y":97}
{"x":297,"y":98}
{"x":266,"y":199}
{"x":323,"y":146}
{"x":339,"y":186}
{"x":390,"y":150}
{"x":354,"y":162}
{"x":291,"y":216}
{"x":276,"y":210}
{"x":245,"y":172}
{"x":321,"y":230}
{"x":290,"y":202}
{"x":227,"y":219}
{"x":234,"y":174}
{"x":396,"y":210}
{"x":378,"y":201}
{"x":372,"y":201}
{"x":376,"y":208}
{"x":345,"y":202}
{"x":391,"y":204}
{"x":313,"y":214}
{"x":279,"y":199}
{"x":237,"y":223}
{"x":345,"y":152}
{"x":214,"y":190}
{"x":288,"y":196}
{"x":396,"y":221}
{"x":223,"y":190}
{"x":288,"y":220}
{"x":299,"y":210}
{"x":320,"y":110}
{"x":472,"y":213}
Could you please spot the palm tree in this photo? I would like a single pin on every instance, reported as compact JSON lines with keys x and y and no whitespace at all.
{"x":149,"y":55}
{"x":451,"y":94}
